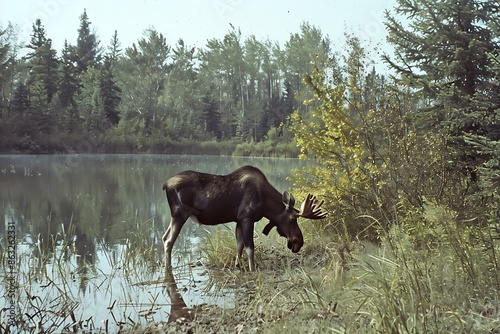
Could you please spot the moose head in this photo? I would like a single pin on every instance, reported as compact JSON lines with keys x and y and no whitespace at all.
{"x":286,"y":223}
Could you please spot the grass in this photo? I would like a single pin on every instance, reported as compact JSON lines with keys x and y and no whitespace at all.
{"x":432,"y":278}
{"x":339,"y":285}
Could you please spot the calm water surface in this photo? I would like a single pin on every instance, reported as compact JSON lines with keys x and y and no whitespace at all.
{"x":88,"y":237}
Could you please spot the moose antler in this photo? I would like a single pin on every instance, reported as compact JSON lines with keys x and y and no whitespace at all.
{"x":311,"y":208}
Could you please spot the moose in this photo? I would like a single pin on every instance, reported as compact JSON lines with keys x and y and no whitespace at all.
{"x":243,"y":196}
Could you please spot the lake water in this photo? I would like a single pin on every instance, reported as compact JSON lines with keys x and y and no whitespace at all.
{"x":87,"y":234}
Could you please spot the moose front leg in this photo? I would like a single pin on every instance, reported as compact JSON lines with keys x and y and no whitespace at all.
{"x":244,"y":239}
{"x":170,"y":236}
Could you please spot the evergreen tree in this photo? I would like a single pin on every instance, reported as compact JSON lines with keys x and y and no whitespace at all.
{"x":88,"y":53}
{"x":43,"y":78}
{"x":6,"y":62}
{"x":38,"y":39}
{"x":43,"y":64}
{"x":211,"y":115}
{"x":443,"y":53}
{"x":114,"y":51}
{"x":488,"y":145}
{"x":69,"y":87}
{"x":22,"y":120}
{"x":110,"y":93}
{"x":20,"y":102}
{"x":69,"y":83}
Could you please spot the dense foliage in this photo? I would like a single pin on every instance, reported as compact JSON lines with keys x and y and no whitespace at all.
{"x":152,"y":96}
{"x":412,"y":161}
{"x":429,"y":134}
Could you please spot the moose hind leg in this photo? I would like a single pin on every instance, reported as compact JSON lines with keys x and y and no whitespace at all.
{"x":244,"y":239}
{"x":239,"y":246}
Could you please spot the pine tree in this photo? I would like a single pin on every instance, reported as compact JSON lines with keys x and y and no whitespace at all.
{"x":488,"y":145}
{"x":88,"y":53}
{"x":69,"y":82}
{"x":211,"y":115}
{"x":443,"y":53}
{"x":114,"y":51}
{"x":20,"y":101}
{"x":6,"y":62}
{"x":43,"y":78}
{"x":110,"y":93}
{"x":43,"y":65}
{"x":38,"y":39}
{"x":23,"y":121}
{"x":69,"y":86}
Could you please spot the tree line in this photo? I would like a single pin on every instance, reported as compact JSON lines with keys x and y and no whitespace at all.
{"x":428,"y":129}
{"x":152,"y":94}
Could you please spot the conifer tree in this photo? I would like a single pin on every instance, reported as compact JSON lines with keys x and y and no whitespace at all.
{"x":114,"y":51}
{"x":69,"y":83}
{"x":444,"y":54}
{"x":43,"y":79}
{"x":20,"y":102}
{"x":5,"y":65}
{"x":88,"y":53}
{"x":211,"y":115}
{"x":110,"y":93}
{"x":43,"y":65}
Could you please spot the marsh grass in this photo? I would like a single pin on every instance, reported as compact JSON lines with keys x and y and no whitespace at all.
{"x":429,"y":276}
{"x":59,"y":289}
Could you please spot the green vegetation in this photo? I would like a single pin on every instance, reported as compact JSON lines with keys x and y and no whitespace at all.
{"x":233,"y":94}
{"x":339,"y":284}
{"x":409,"y":167}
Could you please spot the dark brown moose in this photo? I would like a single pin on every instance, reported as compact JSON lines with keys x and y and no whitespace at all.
{"x":244,"y":196}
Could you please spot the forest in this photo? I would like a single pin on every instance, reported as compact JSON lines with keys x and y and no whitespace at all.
{"x":153,"y":96}
{"x":427,"y":130}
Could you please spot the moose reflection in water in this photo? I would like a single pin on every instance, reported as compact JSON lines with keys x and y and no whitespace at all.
{"x":245,"y":197}
{"x":178,"y":307}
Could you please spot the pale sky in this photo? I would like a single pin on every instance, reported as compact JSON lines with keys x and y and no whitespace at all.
{"x":197,"y":21}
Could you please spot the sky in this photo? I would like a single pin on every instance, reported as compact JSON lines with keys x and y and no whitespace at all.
{"x":197,"y":21}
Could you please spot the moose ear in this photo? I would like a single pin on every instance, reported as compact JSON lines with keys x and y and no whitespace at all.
{"x":288,"y":199}
{"x":268,"y":228}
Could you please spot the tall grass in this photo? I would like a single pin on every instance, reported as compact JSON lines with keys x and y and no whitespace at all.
{"x":439,"y":277}
{"x":427,"y":274}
